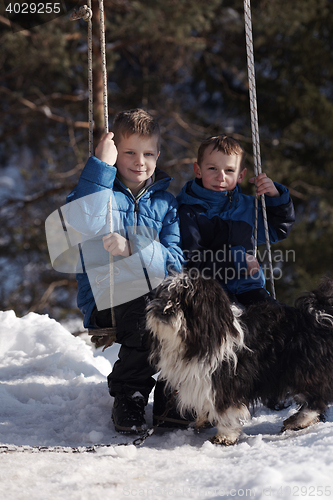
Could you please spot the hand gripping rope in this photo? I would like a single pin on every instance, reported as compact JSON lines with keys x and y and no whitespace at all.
{"x":255,"y":137}
{"x":101,"y":336}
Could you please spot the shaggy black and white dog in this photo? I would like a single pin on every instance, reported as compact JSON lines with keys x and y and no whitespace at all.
{"x":222,"y":358}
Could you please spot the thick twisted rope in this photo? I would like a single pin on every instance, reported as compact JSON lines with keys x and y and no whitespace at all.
{"x":85,"y":12}
{"x":90,"y":84}
{"x":255,"y":136}
{"x":105,"y":78}
{"x":113,"y":317}
{"x":106,"y":130}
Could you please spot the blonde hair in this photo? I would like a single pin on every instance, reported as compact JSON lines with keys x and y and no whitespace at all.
{"x":224,"y":143}
{"x":135,"y":121}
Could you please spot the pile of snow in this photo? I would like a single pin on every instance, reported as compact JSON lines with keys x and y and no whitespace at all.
{"x":53,"y":392}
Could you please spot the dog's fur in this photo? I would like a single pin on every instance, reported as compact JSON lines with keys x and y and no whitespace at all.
{"x":222,"y":358}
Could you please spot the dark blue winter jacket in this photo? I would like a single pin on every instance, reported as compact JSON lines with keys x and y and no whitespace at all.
{"x":149,"y":221}
{"x":217,"y":229}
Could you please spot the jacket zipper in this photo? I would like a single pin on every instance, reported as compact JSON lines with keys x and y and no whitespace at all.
{"x":136,"y":209}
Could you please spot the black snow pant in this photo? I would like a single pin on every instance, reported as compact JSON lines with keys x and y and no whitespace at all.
{"x":132,"y":372}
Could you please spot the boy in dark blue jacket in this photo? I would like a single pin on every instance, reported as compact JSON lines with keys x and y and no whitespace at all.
{"x":217,"y":226}
{"x":121,"y":188}
{"x":217,"y":219}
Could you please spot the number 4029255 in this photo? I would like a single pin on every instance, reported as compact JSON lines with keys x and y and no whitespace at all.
{"x":33,"y":8}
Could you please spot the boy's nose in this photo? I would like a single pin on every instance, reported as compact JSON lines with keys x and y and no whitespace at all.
{"x":140,"y":160}
{"x":220,"y":175}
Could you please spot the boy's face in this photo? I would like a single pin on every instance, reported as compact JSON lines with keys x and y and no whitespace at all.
{"x":218,"y":171}
{"x":136,"y":160}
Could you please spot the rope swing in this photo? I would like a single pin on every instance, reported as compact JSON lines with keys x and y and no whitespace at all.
{"x":103,"y":336}
{"x":255,"y":137}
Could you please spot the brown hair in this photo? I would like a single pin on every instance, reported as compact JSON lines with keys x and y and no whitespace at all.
{"x":135,"y":121}
{"x":224,"y":143}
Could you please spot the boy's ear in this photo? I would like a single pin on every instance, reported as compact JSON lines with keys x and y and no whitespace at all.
{"x":197,"y":170}
{"x":158,"y":154}
{"x":242,"y":174}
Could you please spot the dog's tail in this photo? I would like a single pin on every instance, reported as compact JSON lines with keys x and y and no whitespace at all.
{"x":319,"y":303}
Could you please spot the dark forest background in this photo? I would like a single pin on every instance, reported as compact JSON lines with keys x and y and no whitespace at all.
{"x":185,"y":62}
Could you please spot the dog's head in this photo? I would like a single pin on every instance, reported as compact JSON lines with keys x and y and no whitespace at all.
{"x":192,"y":313}
{"x":170,"y":299}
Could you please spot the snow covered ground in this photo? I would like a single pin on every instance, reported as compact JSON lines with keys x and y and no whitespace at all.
{"x":53,"y":392}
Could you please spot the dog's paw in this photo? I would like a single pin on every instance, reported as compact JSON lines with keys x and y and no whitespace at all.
{"x":300,"y":420}
{"x":223,"y":440}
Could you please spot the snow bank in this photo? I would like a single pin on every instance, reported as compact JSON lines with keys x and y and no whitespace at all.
{"x":53,"y":389}
{"x":53,"y":392}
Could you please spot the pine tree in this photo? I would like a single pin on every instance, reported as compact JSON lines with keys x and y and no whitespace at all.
{"x":184,"y":61}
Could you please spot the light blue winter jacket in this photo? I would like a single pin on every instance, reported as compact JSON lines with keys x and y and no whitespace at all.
{"x":150,"y":222}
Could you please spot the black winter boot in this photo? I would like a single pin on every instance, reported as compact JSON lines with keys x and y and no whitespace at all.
{"x":172,"y":418}
{"x":128,"y":413}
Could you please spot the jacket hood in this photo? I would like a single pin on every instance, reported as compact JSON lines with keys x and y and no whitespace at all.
{"x":195,"y":194}
{"x":162,"y":180}
{"x":160,"y":183}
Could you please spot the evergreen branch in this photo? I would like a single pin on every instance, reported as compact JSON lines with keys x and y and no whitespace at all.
{"x":46,"y":110}
{"x":10,"y":24}
{"x":38,"y":306}
{"x":26,"y":200}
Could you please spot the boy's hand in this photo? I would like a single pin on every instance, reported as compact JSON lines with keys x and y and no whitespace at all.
{"x":117,"y":245}
{"x":106,"y":150}
{"x":252,"y":264}
{"x":264,"y":185}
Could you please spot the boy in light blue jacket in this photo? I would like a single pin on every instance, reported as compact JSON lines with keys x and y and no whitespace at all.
{"x":121,"y":189}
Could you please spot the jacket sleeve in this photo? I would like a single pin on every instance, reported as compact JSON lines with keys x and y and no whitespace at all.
{"x":211,"y":257}
{"x":170,"y":240}
{"x":87,"y":205}
{"x":280,"y":216}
